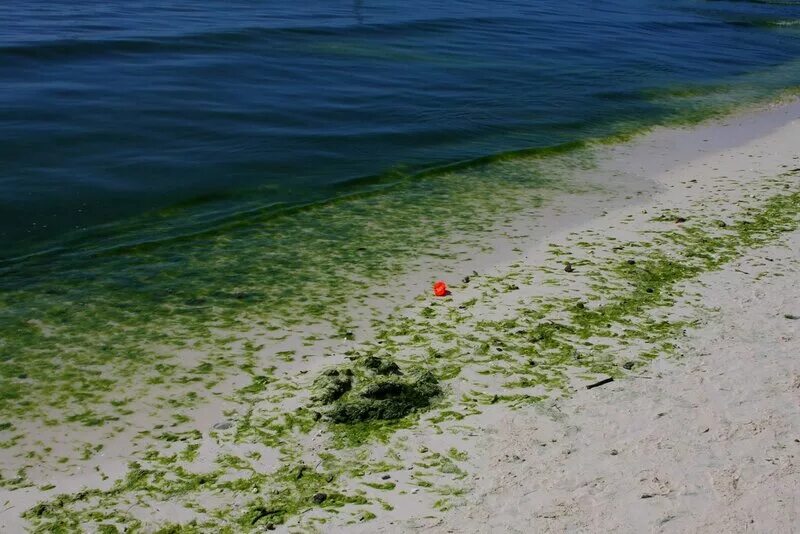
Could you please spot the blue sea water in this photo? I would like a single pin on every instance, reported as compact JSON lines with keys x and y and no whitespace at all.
{"x":112,"y":110}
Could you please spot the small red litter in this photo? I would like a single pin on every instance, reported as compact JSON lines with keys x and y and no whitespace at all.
{"x":440,"y":289}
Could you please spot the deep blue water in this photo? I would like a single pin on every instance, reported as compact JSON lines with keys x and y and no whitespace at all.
{"x":109,"y":110}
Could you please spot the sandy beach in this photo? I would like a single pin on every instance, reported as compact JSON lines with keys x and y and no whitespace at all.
{"x":679,"y":279}
{"x":705,"y":440}
{"x":704,"y":443}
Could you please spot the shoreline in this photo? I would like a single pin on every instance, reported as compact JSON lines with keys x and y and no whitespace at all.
{"x":522,"y":265}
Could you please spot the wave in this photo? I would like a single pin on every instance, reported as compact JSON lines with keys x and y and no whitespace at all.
{"x":234,"y":39}
{"x":226,"y":39}
{"x":785,"y":23}
{"x":141,"y":233}
{"x":767,"y":2}
{"x":766,"y":23}
{"x":136,"y":235}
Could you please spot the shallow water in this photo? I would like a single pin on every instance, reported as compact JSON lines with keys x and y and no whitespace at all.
{"x":204,"y":111}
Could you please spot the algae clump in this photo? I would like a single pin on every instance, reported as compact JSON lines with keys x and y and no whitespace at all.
{"x":374,"y":389}
{"x":331,"y":385}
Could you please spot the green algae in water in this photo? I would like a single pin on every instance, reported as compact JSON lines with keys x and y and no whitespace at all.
{"x":78,"y":328}
{"x":80,"y":324}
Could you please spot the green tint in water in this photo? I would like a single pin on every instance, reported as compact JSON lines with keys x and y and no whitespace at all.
{"x":78,"y":332}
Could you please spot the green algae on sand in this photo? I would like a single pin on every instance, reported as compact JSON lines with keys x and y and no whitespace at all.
{"x":631,"y":286}
{"x":381,"y":391}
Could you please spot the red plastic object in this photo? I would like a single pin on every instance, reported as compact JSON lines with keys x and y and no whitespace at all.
{"x":440,"y":289}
